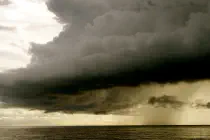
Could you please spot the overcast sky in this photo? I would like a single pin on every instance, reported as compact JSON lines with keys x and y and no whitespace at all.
{"x":103,"y":62}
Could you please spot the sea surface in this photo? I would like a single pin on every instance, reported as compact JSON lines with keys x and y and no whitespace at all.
{"x":107,"y":133}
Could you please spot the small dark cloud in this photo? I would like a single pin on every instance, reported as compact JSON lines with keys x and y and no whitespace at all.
{"x":198,"y":104}
{"x":165,"y":101}
{"x":172,"y":102}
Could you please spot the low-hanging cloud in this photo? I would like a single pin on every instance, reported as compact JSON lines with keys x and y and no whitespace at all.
{"x":109,"y":44}
{"x":200,"y":104}
{"x":166,"y":101}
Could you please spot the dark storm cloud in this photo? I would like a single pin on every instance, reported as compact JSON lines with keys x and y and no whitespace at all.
{"x":159,"y":41}
{"x":109,"y":44}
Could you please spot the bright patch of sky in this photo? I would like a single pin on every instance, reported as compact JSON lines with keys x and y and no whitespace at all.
{"x":21,"y":23}
{"x":24,"y":117}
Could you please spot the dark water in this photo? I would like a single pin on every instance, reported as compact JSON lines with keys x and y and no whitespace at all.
{"x":107,"y":133}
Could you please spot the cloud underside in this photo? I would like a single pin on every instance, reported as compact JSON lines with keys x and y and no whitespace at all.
{"x":111,"y":53}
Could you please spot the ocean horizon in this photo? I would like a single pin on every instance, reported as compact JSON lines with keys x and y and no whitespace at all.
{"x":122,"y":132}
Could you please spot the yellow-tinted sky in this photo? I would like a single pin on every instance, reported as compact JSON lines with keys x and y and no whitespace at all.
{"x":150,"y":116}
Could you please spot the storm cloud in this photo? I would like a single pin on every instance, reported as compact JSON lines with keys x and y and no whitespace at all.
{"x":109,"y":46}
{"x":159,"y":41}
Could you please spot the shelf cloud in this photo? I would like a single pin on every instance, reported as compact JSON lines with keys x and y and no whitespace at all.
{"x":108,"y":53}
